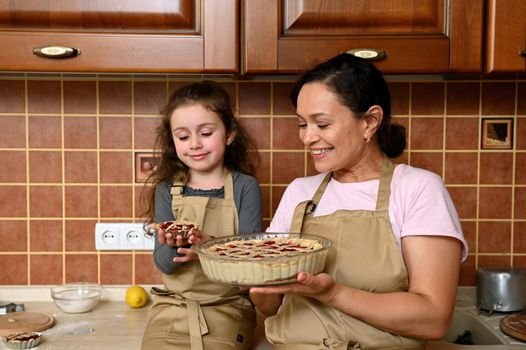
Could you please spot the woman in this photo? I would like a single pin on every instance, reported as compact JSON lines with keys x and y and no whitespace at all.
{"x":391,"y":276}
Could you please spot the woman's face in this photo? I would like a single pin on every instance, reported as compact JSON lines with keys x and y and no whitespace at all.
{"x":329,"y":130}
{"x":199,"y":136}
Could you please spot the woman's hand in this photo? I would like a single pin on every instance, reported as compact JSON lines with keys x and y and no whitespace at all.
{"x":194,"y":236}
{"x":321,"y":287}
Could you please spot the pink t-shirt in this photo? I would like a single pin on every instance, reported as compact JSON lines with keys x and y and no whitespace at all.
{"x":419,"y":203}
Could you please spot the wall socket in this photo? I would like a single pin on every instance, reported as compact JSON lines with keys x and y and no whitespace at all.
{"x":121,"y":236}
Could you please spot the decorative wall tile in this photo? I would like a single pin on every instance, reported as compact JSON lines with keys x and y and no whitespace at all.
{"x":496,"y":168}
{"x":45,"y":132}
{"x":427,"y":133}
{"x":81,"y":201}
{"x":498,"y":98}
{"x":45,"y":166}
{"x":80,"y":97}
{"x":461,"y":168}
{"x":117,"y":269}
{"x":13,"y":166}
{"x":115,"y":97}
{"x":427,"y":98}
{"x":496,"y":237}
{"x":12,"y":96}
{"x":281,"y":104}
{"x":13,"y":236}
{"x":462,"y":133}
{"x":44,"y":96}
{"x":80,"y":166}
{"x":79,"y":132}
{"x":45,"y":235}
{"x":399,"y":98}
{"x":14,"y":269}
{"x":14,"y":131}
{"x":285,"y":134}
{"x":429,"y":161}
{"x":463,"y":98}
{"x":149,"y":97}
{"x":115,"y":132}
{"x":46,"y":269}
{"x":46,"y":201}
{"x":254,"y":98}
{"x":81,"y":268}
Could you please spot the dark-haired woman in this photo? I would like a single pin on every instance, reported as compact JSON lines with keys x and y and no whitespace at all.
{"x":391,"y":276}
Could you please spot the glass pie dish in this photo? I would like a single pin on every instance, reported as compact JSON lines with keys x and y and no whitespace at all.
{"x":262,"y":258}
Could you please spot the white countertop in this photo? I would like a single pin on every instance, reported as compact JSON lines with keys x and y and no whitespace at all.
{"x":114,"y":325}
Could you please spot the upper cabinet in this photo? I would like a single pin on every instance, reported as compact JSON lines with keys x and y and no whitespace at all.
{"x":119,"y":36}
{"x":425,"y":36}
{"x":506,"y":36}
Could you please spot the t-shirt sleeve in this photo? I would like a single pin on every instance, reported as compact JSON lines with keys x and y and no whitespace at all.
{"x":426,"y":208}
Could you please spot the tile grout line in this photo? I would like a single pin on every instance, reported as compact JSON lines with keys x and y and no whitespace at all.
{"x":63,"y":184}
{"x":28,"y":201}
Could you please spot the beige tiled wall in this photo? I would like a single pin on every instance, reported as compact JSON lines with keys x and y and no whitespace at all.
{"x":67,"y":154}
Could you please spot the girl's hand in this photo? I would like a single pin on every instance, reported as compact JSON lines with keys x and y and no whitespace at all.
{"x":194,"y":236}
{"x":321,"y":287}
{"x":168,"y":238}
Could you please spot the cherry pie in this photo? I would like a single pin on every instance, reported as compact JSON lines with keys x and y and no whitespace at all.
{"x":260,"y":259}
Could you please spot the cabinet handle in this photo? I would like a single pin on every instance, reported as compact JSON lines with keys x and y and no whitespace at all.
{"x":522,"y":53}
{"x":52,"y":51}
{"x":369,"y":54}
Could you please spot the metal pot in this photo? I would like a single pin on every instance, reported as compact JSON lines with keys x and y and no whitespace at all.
{"x":501,"y":289}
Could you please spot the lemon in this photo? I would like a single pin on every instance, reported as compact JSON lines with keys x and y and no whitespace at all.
{"x":136,"y":296}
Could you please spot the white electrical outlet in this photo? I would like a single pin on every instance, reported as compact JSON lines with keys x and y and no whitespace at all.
{"x":121,"y":236}
{"x":132,"y":236}
{"x":107,"y":236}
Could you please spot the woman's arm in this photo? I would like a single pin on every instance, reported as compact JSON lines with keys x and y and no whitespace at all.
{"x":433,"y":265}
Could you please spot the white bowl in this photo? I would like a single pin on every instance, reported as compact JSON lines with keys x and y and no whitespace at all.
{"x":76,"y":297}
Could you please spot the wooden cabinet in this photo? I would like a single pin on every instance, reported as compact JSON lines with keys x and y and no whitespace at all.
{"x":506,"y":36}
{"x":120,"y":35}
{"x":425,"y":36}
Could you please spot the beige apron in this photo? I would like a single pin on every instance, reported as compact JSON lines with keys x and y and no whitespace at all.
{"x":364,"y":255}
{"x":193,"y":312}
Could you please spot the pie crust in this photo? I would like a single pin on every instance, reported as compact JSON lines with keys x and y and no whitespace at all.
{"x":263,"y":258}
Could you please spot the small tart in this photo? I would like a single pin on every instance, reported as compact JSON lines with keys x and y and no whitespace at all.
{"x":262,"y":259}
{"x":22,"y":340}
{"x":181,"y":227}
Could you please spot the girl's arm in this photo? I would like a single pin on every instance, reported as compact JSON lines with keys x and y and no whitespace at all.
{"x":163,"y":254}
{"x":247,"y":196}
{"x":433,"y":265}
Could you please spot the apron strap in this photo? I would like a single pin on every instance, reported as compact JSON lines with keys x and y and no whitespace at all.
{"x":384,"y":188}
{"x":308,"y":207}
{"x":228,"y":185}
{"x":196,"y":324}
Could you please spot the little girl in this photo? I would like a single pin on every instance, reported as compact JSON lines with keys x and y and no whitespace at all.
{"x":203,"y":176}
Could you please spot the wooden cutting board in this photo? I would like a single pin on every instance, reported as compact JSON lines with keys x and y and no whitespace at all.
{"x":22,"y":322}
{"x":514,"y":325}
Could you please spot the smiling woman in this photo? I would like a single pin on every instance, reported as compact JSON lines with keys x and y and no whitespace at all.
{"x":391,"y":273}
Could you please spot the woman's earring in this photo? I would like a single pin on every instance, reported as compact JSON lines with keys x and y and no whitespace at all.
{"x":367,"y":139}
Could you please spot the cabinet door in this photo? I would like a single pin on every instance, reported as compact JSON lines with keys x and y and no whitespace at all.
{"x":506,"y":36}
{"x":425,"y":36}
{"x":120,"y":35}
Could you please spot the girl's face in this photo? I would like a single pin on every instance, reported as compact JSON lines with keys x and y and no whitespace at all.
{"x":330,"y":131}
{"x":200,"y":138}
